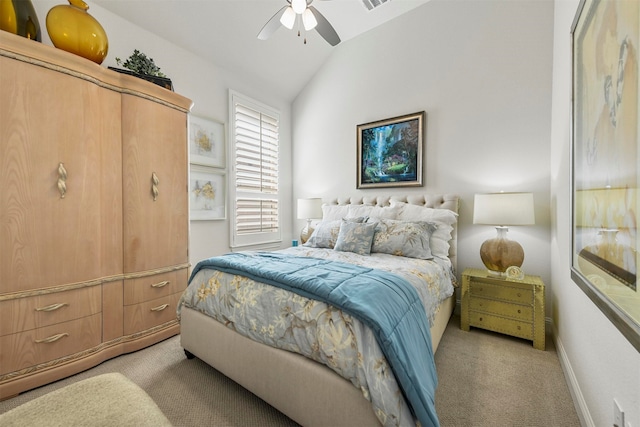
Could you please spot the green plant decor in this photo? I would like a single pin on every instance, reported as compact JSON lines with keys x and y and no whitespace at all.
{"x":140,"y":63}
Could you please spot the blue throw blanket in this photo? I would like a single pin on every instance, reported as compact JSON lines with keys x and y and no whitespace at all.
{"x":383,"y":301}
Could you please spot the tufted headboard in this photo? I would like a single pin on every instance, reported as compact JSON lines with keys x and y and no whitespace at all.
{"x":434,"y":201}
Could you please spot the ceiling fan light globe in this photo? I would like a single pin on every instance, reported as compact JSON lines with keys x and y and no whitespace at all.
{"x":288,"y":18}
{"x":299,"y":6}
{"x":309,"y":20}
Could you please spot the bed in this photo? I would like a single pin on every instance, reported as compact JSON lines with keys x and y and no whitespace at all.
{"x":318,"y":364}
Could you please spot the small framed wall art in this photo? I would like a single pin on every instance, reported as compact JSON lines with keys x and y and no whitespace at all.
{"x":206,"y":142}
{"x":207,"y":193}
{"x":390,"y":152}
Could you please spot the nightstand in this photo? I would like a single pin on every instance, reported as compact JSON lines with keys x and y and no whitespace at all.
{"x":508,"y":306}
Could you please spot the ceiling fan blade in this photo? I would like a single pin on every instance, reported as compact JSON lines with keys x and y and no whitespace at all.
{"x":324,"y":28}
{"x":272,"y":25}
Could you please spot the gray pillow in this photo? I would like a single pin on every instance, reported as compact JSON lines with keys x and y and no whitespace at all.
{"x":403,"y":238}
{"x":355,"y":237}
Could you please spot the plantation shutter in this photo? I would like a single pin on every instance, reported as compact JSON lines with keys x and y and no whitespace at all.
{"x":256,"y":139}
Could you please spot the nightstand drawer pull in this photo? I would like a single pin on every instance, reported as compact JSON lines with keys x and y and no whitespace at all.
{"x":160,"y":307}
{"x":52,"y":338}
{"x":160,"y":284}
{"x":52,"y":307}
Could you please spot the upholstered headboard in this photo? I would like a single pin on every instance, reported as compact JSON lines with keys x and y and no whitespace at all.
{"x":434,"y":201}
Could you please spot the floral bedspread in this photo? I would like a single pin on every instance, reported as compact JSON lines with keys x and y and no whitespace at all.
{"x":281,"y":319}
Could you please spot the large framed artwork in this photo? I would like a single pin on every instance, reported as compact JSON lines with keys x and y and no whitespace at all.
{"x":207,"y":193}
{"x":605,"y":171}
{"x":390,"y":152}
{"x":206,"y":142}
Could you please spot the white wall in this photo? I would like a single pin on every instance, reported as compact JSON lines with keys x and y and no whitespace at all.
{"x":603,"y":365}
{"x":207,"y":86}
{"x":482,"y":72}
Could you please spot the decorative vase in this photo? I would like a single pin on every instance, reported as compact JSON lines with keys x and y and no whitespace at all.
{"x":19,"y":17}
{"x":71,"y":28}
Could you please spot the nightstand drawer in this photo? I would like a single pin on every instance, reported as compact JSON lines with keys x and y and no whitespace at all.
{"x":502,"y":325}
{"x":514,"y":311}
{"x":502,"y":292}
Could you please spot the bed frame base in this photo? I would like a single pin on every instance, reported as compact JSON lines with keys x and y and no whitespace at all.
{"x":306,"y":391}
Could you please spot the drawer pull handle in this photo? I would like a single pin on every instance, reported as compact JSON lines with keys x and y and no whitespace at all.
{"x":52,"y":307}
{"x":480,"y":319}
{"x":160,"y":307}
{"x":519,"y":311}
{"x":62,"y":180}
{"x":154,"y":185}
{"x":519,"y":294}
{"x":52,"y":338}
{"x":160,"y":284}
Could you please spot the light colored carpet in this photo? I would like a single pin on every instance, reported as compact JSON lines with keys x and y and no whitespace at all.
{"x":485,"y":379}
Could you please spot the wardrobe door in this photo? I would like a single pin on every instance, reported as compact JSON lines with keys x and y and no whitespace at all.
{"x":155,"y":204}
{"x":60,"y":179}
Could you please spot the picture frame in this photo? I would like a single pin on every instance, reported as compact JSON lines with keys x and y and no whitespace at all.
{"x":207,"y":142}
{"x":207,"y":193}
{"x":389,"y":152}
{"x":605,"y":173}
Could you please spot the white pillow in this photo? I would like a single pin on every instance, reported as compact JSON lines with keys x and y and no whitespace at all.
{"x":334,"y":212}
{"x":374,"y":212}
{"x":443,"y":218}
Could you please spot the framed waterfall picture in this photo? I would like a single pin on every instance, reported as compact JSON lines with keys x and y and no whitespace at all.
{"x":206,"y":142}
{"x":606,"y":162}
{"x":390,"y":152}
{"x":207,"y":193}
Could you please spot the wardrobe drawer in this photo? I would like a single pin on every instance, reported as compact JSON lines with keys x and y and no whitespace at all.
{"x":23,"y":314}
{"x":522,"y":295}
{"x":152,"y":287}
{"x":146,"y":315}
{"x":515,"y":311}
{"x":502,"y":325}
{"x":30,"y":348}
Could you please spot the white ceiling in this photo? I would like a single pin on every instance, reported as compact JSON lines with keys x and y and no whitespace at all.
{"x":224,"y":32}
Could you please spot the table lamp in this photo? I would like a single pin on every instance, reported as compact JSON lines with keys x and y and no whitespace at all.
{"x":308,"y":209}
{"x":502,"y":210}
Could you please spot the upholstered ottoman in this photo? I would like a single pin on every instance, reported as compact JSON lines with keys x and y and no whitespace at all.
{"x":105,"y":400}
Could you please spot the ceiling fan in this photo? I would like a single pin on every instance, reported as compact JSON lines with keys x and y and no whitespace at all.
{"x":295,"y":12}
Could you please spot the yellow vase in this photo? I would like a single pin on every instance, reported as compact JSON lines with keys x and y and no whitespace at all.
{"x":19,"y":17}
{"x":71,"y":28}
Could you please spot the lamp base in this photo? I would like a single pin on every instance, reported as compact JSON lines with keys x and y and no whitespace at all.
{"x":500,"y":253}
{"x":306,"y":232}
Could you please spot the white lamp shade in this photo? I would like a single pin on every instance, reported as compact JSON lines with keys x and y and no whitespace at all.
{"x":288,"y":18}
{"x":309,"y":208}
{"x":504,"y":209}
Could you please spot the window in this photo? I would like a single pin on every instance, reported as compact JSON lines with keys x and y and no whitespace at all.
{"x":254,"y":174}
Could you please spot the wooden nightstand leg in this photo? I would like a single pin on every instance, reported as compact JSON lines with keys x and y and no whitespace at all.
{"x":539,"y":336}
{"x":464,"y":304}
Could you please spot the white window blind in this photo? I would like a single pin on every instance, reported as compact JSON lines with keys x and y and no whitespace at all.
{"x":255,"y":172}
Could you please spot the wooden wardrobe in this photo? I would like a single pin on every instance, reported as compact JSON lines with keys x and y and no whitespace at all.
{"x":94,"y":216}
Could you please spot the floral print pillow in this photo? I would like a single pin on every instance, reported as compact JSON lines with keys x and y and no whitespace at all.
{"x":403,"y":238}
{"x":355,"y":237}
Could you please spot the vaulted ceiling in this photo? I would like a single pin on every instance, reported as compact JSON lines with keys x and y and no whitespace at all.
{"x":224,"y":32}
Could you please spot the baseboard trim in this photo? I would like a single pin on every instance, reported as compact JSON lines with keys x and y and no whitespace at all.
{"x":572,"y":382}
